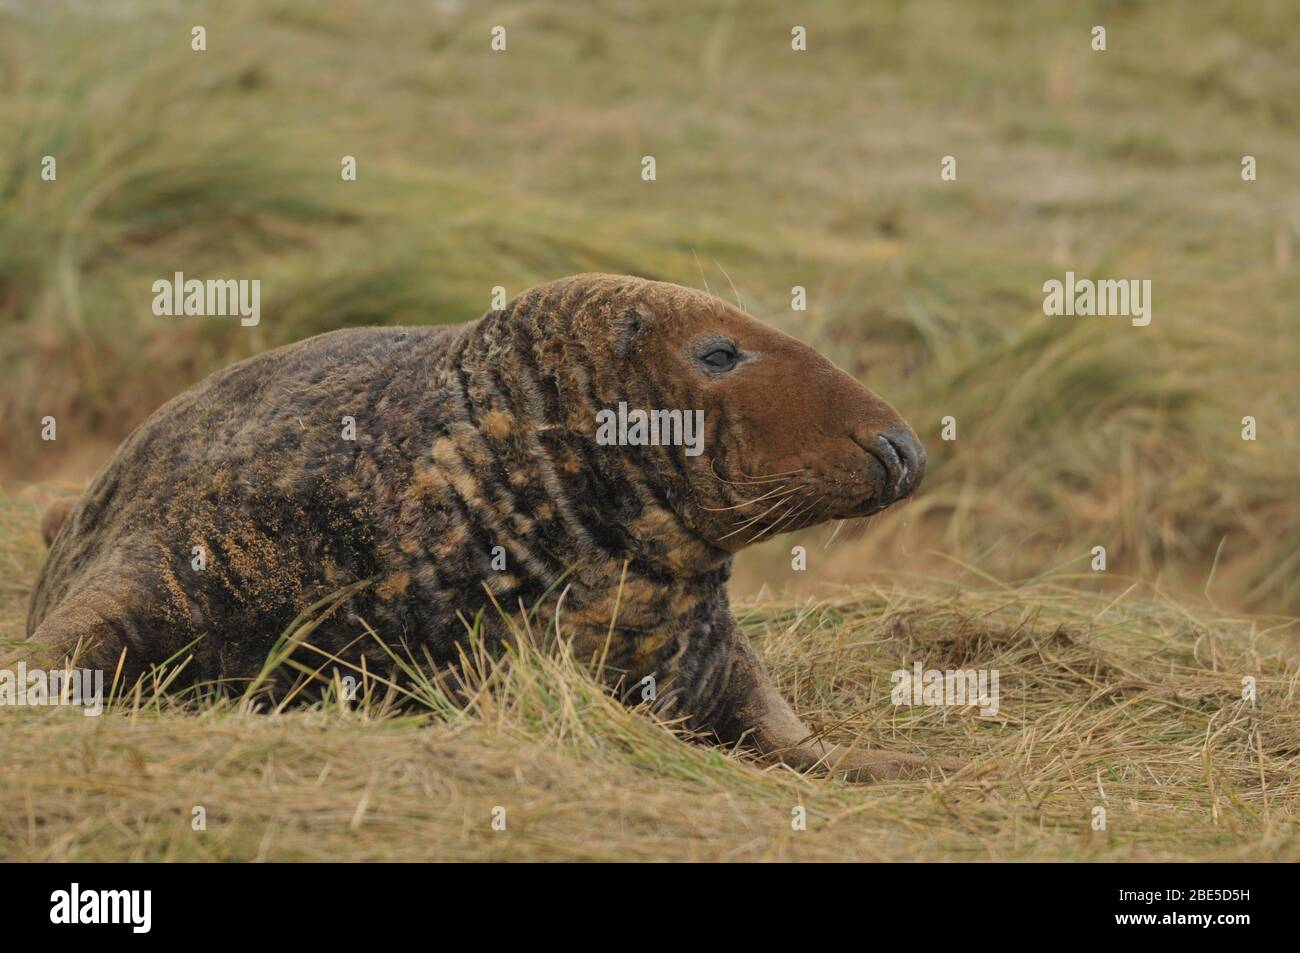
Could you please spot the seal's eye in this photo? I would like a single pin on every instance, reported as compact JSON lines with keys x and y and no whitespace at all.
{"x":720,"y":358}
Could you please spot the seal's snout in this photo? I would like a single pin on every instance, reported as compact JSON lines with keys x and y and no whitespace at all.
{"x":901,"y":455}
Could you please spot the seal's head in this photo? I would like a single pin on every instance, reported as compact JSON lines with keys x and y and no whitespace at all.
{"x":789,"y":440}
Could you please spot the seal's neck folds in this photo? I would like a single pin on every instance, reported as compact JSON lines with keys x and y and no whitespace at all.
{"x":515,"y":460}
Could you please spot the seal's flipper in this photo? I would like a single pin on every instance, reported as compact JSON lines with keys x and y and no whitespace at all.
{"x":87,"y":630}
{"x":750,"y":711}
{"x":53,"y":519}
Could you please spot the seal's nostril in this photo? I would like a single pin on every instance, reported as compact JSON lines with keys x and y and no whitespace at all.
{"x":899,"y":454}
{"x":904,"y":467}
{"x":894,"y":461}
{"x":906,"y":450}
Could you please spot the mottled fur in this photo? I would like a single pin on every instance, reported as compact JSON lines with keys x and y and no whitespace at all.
{"x":467,"y":438}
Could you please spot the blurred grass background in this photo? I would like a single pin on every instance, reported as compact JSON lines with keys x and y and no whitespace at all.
{"x":775,"y":168}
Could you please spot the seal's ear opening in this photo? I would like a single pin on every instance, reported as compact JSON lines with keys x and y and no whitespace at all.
{"x":627,"y":332}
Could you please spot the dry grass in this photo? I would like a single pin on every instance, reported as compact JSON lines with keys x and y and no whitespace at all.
{"x":1131,"y":704}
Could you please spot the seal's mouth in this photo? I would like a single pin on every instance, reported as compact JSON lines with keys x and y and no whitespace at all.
{"x":901,"y":461}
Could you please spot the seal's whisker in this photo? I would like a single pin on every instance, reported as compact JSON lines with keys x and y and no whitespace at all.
{"x":783,"y":473}
{"x":780,"y":478}
{"x":808,"y":505}
{"x":859,"y":527}
{"x":701,"y":267}
{"x":839,"y":525}
{"x":754,"y":482}
{"x":769,"y":478}
{"x":744,"y":523}
{"x":757,"y":536}
{"x":820,"y":514}
{"x":772,"y":527}
{"x":740,"y":302}
{"x":765,"y":529}
{"x":753,"y":520}
{"x":812,"y":514}
{"x":759,"y":499}
{"x":788,"y":523}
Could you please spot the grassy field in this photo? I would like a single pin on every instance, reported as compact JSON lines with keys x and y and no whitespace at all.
{"x":774,"y":169}
{"x":1132,"y":705}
